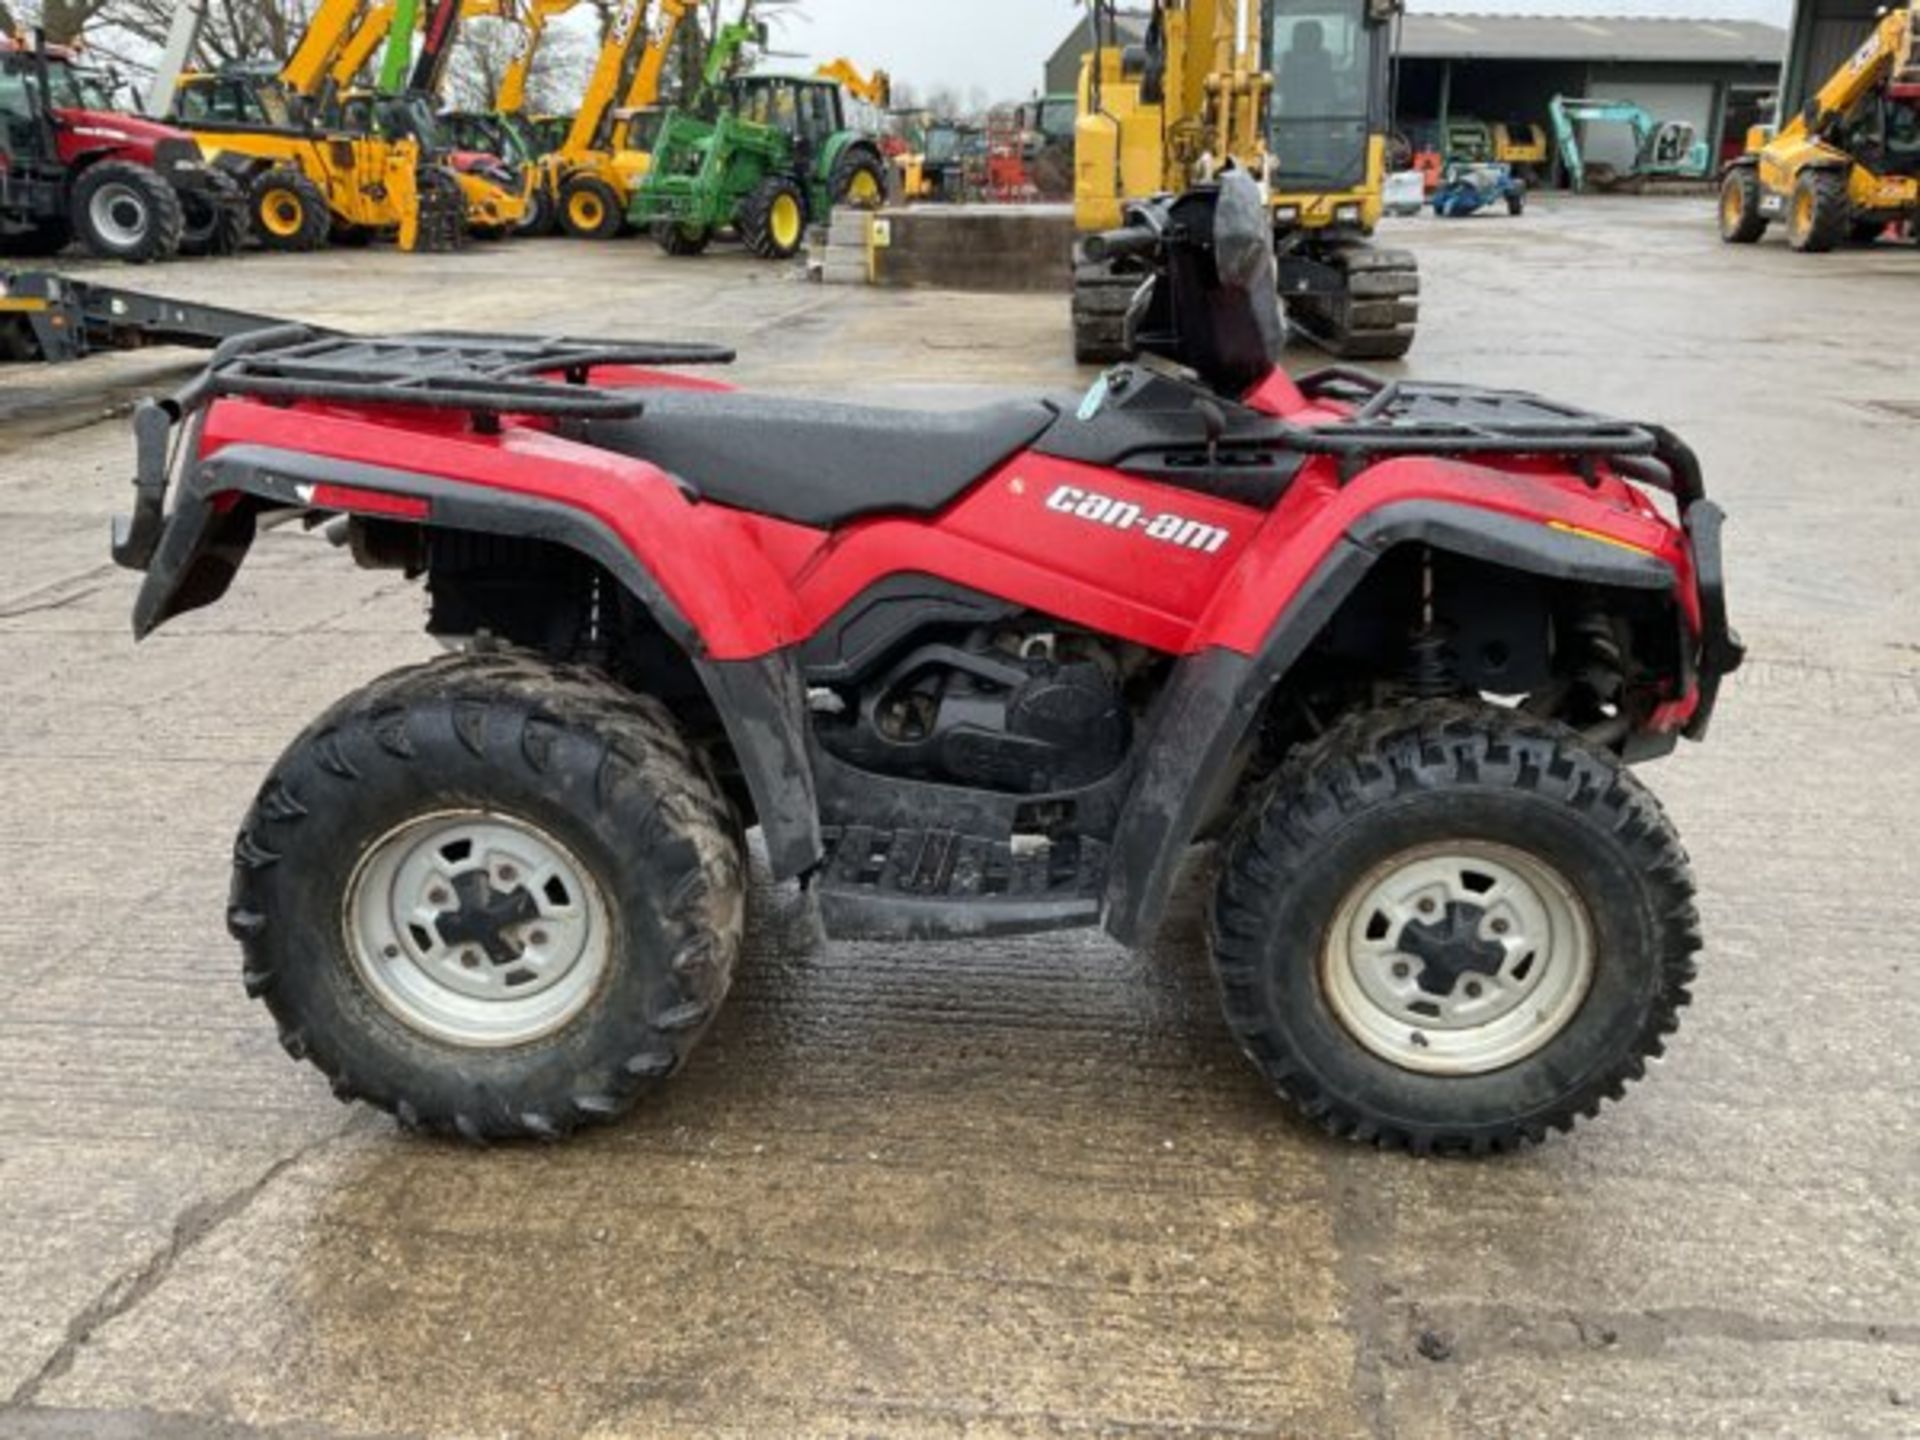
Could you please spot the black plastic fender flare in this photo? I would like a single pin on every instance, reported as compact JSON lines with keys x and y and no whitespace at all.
{"x":761,"y":702}
{"x":1206,"y":714}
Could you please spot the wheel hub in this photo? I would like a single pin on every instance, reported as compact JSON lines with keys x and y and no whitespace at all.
{"x":1451,"y":949}
{"x":488,"y":917}
{"x":477,"y":928}
{"x":1458,"y":959}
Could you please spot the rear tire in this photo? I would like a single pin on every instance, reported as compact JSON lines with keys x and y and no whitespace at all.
{"x":541,"y":217}
{"x":589,"y":209}
{"x":1496,"y":870}
{"x":289,"y":211}
{"x":123,"y":211}
{"x":492,"y":896}
{"x":772,"y":222}
{"x":859,"y":179}
{"x":1741,"y":219}
{"x":1819,"y":214}
{"x":214,"y":217}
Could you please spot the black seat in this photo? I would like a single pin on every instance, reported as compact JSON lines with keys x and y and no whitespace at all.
{"x":819,"y":463}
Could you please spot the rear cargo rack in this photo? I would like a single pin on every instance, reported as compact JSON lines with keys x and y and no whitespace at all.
{"x":484,"y":375}
{"x":1397,"y":417}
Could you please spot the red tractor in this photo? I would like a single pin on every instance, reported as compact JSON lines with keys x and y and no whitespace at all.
{"x":73,"y":166}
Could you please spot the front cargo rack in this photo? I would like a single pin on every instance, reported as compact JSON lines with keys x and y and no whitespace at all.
{"x":483,"y":374}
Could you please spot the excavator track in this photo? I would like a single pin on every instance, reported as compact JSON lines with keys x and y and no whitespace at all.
{"x":1375,"y":315}
{"x":1101,"y":297}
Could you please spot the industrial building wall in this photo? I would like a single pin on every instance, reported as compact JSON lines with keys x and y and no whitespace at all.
{"x":1825,"y":32}
{"x":1695,"y":101}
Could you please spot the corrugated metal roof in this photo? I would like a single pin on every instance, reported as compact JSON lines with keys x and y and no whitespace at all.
{"x":1591,"y":39}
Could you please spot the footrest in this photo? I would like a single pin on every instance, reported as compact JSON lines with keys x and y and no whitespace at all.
{"x":926,"y":884}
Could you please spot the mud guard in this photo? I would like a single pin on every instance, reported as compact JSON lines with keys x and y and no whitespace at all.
{"x":1205,"y":717}
{"x":760,"y":701}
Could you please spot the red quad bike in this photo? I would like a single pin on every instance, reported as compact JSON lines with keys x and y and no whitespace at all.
{"x":1394,"y":645}
{"x":72,"y":166}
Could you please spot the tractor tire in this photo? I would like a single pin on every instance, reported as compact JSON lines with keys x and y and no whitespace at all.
{"x":1376,"y":317}
{"x":859,"y":179}
{"x":1101,"y":299}
{"x":681,"y":240}
{"x":289,"y":211}
{"x":214,"y":217}
{"x":1517,"y":199}
{"x":123,"y":211}
{"x":493,"y":896}
{"x":1553,"y":959}
{"x":1742,"y":222}
{"x":590,"y":209}
{"x":1819,"y":214}
{"x":772,"y":221}
{"x":542,"y":214}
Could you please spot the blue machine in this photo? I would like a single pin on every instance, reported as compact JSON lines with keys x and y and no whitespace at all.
{"x":1467,"y":189}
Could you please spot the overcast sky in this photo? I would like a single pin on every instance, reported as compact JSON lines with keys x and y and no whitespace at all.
{"x":999,"y":46}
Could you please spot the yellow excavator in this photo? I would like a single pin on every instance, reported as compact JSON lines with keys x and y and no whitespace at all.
{"x":1848,"y":165}
{"x":307,"y":183}
{"x":1297,"y":93}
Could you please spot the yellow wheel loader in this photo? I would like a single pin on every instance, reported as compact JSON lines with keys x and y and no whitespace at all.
{"x":1297,"y":93}
{"x":1848,"y":165}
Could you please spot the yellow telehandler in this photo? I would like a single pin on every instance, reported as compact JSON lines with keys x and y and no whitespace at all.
{"x":307,"y":183}
{"x":1846,"y":166}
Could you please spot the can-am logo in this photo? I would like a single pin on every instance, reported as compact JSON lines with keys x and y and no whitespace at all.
{"x":1125,"y":515}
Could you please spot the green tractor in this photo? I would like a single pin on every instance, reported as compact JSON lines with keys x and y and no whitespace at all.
{"x":776,"y":155}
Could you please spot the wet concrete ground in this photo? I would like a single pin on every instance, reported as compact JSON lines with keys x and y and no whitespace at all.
{"x":1021,"y":1188}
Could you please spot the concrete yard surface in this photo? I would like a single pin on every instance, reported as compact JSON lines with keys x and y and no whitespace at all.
{"x":1008,"y":1188}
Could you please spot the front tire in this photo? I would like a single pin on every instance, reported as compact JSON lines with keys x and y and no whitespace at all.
{"x":590,"y":209}
{"x":289,"y":212}
{"x":1741,"y":220}
{"x":773,"y":219}
{"x":1452,"y":928}
{"x":123,"y":211}
{"x":492,"y":896}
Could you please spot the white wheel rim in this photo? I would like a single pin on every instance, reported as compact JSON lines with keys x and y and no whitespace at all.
{"x":477,"y":929}
{"x":1459,"y":958}
{"x":118,"y":214}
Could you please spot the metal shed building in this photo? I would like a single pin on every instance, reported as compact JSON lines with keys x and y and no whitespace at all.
{"x":1824,"y":33}
{"x":1716,"y":75}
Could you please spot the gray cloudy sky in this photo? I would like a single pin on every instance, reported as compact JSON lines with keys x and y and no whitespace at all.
{"x":999,"y":45}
